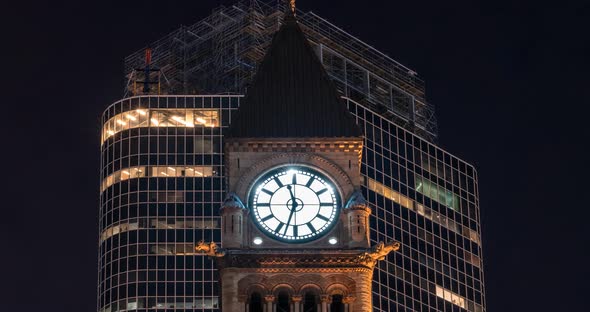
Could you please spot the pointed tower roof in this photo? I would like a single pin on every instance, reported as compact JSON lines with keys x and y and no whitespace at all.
{"x":292,"y":95}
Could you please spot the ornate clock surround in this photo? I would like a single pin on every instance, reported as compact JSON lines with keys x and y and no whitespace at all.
{"x":246,"y":180}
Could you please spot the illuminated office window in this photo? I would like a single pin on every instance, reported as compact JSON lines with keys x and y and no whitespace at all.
{"x":177,"y":249}
{"x":157,"y":171}
{"x":437,"y":193}
{"x":450,"y":296}
{"x":390,"y":194}
{"x":138,"y":118}
{"x":164,"y":223}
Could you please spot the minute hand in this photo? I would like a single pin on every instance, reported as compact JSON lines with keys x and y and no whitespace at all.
{"x":293,"y":207}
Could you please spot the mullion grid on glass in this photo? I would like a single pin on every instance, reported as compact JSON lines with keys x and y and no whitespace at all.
{"x":449,"y":257}
{"x":170,"y":272}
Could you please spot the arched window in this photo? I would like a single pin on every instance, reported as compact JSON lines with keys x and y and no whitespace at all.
{"x":283,"y":304}
{"x":255,"y":302}
{"x":310,"y":302}
{"x":337,"y":304}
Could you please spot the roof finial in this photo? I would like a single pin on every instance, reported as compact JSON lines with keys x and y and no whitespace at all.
{"x":292,"y":3}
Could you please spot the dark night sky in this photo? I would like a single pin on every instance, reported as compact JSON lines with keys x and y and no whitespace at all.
{"x":508,"y":80}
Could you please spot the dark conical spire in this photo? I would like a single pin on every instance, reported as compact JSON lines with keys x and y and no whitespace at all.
{"x":292,"y":95}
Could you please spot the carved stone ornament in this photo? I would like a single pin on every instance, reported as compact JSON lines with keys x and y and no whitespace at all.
{"x":233,"y":201}
{"x":377,"y":253}
{"x":210,"y":249}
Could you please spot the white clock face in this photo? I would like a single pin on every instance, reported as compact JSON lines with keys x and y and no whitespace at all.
{"x":294,"y":204}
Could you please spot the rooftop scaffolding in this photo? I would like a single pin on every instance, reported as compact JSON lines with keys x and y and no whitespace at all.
{"x":220,"y":54}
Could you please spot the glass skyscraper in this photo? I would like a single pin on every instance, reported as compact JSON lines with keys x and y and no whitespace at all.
{"x":162,"y":178}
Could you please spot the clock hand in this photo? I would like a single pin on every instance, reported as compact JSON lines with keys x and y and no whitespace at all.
{"x":293,"y":207}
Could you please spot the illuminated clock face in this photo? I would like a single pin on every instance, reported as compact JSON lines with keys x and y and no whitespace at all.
{"x":294,"y":204}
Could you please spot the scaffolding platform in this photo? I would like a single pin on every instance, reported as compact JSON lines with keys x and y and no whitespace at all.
{"x":220,"y":54}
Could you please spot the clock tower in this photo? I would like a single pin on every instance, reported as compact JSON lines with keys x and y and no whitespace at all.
{"x":295,"y":225}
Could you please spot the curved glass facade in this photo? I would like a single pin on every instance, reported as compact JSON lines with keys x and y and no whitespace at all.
{"x":161,"y":189}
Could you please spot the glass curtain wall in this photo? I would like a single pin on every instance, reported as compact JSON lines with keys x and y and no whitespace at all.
{"x":161,"y":189}
{"x":426,"y":199}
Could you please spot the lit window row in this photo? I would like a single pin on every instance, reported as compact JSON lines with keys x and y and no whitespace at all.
{"x":437,"y":193}
{"x":391,"y":194}
{"x":178,"y":249}
{"x":182,"y":171}
{"x":160,"y":118}
{"x":164,"y":303}
{"x":446,"y":222}
{"x":157,"y":171}
{"x":421,"y":209}
{"x":450,"y":297}
{"x":201,"y":303}
{"x":116,"y":229}
{"x":168,"y":224}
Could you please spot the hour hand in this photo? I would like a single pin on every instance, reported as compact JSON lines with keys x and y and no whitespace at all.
{"x":290,"y":188}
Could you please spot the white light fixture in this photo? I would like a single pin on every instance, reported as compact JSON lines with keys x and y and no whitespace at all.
{"x":332,"y":241}
{"x":257,"y":241}
{"x":130,"y":117}
{"x":201,"y":120}
{"x":141,"y":112}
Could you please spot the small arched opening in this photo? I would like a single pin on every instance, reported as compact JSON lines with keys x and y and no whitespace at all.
{"x":255,"y":302}
{"x":283,"y":304}
{"x":337,"y":304}
{"x":311,"y":302}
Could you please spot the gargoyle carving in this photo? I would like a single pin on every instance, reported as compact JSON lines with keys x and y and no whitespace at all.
{"x":210,"y":249}
{"x":378,"y":252}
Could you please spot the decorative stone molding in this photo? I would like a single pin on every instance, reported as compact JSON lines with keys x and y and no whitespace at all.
{"x":306,"y":145}
{"x":269,"y":298}
{"x":297,"y":284}
{"x":365,"y":258}
{"x":310,"y":270}
{"x":348,"y":299}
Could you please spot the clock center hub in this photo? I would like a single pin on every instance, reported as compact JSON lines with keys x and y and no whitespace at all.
{"x":297,"y":205}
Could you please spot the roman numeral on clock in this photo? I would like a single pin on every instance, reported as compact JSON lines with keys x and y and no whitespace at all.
{"x":310,"y":226}
{"x":279,"y":227}
{"x":267,"y":192}
{"x":322,"y":217}
{"x":279,"y":183}
{"x":270,"y":216}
